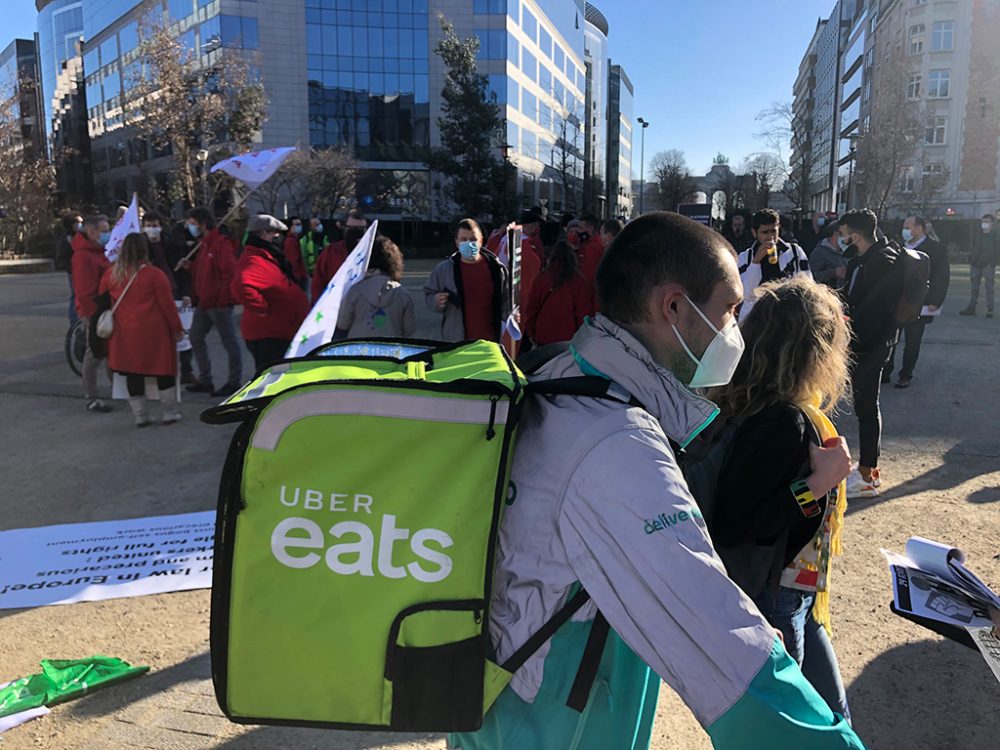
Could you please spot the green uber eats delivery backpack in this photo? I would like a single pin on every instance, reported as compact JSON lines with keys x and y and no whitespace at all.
{"x":357,"y":524}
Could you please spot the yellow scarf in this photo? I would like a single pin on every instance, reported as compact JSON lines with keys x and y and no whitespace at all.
{"x":826,"y":430}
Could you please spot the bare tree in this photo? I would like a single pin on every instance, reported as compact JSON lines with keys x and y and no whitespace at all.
{"x":566,"y":158}
{"x":26,"y":180}
{"x":673,"y":179}
{"x":889,"y":145}
{"x":787,"y":144}
{"x":312,"y":182}
{"x":180,"y":105}
{"x":763,"y":174}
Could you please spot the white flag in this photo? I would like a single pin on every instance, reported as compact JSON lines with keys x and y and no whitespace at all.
{"x":254,"y":169}
{"x":321,"y":323}
{"x":128,"y":224}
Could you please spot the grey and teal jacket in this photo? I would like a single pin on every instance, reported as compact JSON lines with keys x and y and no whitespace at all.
{"x":598,"y":499}
{"x":447,"y":277}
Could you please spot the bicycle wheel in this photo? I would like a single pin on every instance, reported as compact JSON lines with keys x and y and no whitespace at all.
{"x":76,"y":347}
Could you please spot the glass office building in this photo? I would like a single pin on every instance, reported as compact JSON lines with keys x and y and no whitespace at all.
{"x":620,"y":94}
{"x":597,"y":121}
{"x":20,"y":100}
{"x":358,"y":74}
{"x":60,"y":30}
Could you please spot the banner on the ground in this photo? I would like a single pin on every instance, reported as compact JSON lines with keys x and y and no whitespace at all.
{"x":84,"y":562}
{"x":321,"y":323}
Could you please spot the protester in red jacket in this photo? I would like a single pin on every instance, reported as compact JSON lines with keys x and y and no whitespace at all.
{"x":293,"y":251}
{"x":591,"y":247}
{"x":559,"y":300}
{"x":274,"y":305}
{"x":146,"y":328}
{"x":212,"y":276}
{"x":334,"y":254}
{"x":87,"y":266}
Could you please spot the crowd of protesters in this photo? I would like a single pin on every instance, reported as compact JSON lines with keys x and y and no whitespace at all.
{"x":814,"y":316}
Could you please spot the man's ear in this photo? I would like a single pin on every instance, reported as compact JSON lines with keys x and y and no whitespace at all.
{"x":671,"y":298}
{"x":753,"y":233}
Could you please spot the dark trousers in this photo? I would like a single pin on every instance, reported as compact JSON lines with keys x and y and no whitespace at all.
{"x":266,"y":352}
{"x":136,"y":384}
{"x":186,"y":368}
{"x":914,"y":334}
{"x":866,"y":384}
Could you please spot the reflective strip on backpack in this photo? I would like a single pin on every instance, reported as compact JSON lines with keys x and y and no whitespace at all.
{"x":291,"y":409}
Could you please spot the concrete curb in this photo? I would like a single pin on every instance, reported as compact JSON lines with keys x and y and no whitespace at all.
{"x":27,"y":265}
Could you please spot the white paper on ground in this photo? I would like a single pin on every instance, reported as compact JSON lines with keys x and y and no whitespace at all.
{"x":15,"y":720}
{"x":106,"y":560}
{"x":926,"y":312}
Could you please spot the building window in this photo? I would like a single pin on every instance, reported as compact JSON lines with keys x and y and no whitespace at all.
{"x":939,"y":84}
{"x":907,"y":181}
{"x":870,"y":59}
{"x":529,"y":24}
{"x":492,"y":44}
{"x":943,"y":38}
{"x":180,"y":9}
{"x":936,"y":131}
{"x":868,"y":91}
{"x":488,"y":7}
{"x":529,"y":105}
{"x":874,"y":22}
{"x":558,"y":56}
{"x":918,"y":3}
{"x":917,"y":39}
{"x":239,"y":31}
{"x":529,"y":64}
{"x":545,"y":42}
{"x":933,"y":170}
{"x":913,"y":87}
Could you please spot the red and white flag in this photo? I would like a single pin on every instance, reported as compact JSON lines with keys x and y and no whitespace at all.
{"x":256,"y":168}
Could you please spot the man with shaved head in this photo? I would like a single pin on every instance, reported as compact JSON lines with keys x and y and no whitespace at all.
{"x":600,"y":523}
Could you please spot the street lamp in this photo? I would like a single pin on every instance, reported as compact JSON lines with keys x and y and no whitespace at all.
{"x":642,"y":163}
{"x":202,"y":157}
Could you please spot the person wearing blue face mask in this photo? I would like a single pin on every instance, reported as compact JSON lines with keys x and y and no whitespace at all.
{"x":72,"y":223}
{"x":88,"y":266}
{"x":469,"y":289}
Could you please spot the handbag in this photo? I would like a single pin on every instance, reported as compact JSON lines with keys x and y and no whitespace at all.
{"x":106,"y":323}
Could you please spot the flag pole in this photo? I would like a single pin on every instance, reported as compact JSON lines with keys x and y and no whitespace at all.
{"x":229,"y":214}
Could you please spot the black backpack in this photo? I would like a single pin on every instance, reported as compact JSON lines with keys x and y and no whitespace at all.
{"x":915,"y":267}
{"x":753,"y":567}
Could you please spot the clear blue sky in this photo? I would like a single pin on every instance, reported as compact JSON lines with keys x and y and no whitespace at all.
{"x":702,"y":70}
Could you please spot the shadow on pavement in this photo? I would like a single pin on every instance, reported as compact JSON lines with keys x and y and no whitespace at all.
{"x":269,"y":738}
{"x":116,"y":697}
{"x":937,"y":691}
{"x":961,"y":463}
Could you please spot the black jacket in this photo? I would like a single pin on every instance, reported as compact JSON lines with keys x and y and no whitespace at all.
{"x":985,"y":249}
{"x":874,"y":286}
{"x":64,"y":253}
{"x":940,"y":272}
{"x":498,"y":273}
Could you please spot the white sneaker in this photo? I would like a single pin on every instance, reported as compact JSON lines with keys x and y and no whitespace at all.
{"x":858,"y":487}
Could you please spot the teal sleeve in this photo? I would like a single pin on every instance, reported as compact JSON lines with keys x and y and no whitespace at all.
{"x":781,"y":709}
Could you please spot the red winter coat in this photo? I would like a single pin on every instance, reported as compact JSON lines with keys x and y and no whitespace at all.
{"x":553,"y":314}
{"x":212,"y":271}
{"x":273,"y":306}
{"x":144,"y":341}
{"x":531,"y":268}
{"x":88,"y":266}
{"x":590,"y":257}
{"x":327,"y":265}
{"x":294,"y":254}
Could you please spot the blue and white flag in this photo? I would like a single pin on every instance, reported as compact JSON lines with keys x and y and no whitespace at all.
{"x":321,"y":323}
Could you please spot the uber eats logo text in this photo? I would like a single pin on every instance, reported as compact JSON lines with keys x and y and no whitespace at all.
{"x":352,"y":547}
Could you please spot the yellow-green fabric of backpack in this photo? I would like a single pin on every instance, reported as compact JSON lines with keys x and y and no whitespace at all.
{"x":358,"y":515}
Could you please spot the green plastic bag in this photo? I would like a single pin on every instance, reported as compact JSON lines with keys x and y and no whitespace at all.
{"x":64,"y":680}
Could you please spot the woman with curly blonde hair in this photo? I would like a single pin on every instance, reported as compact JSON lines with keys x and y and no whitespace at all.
{"x":778,"y":509}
